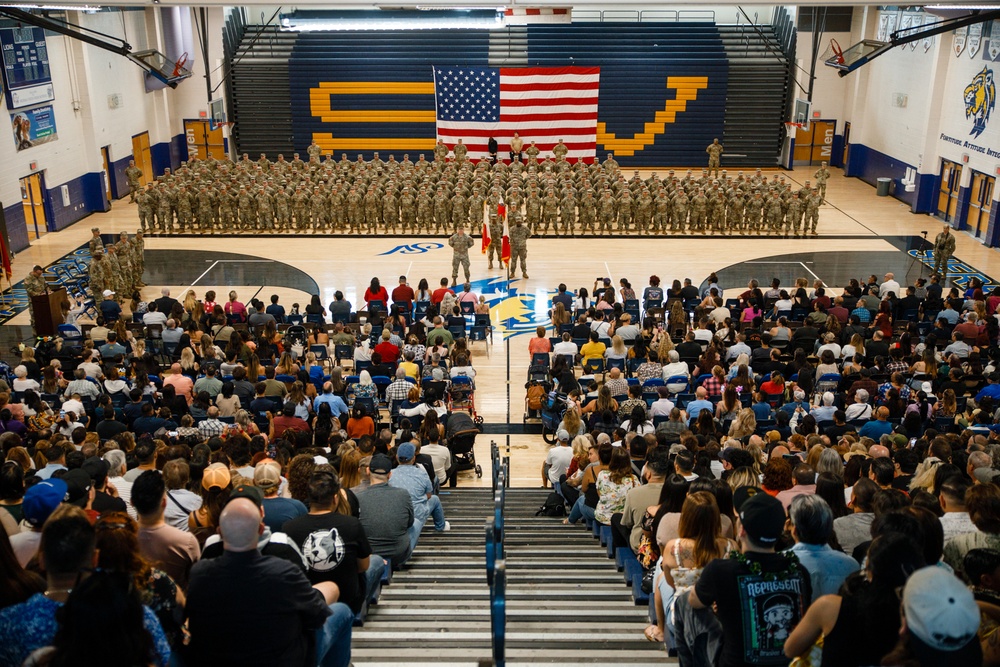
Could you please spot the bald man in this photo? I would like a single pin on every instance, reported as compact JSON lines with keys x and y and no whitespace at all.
{"x":226,"y":594}
{"x":878,"y":452}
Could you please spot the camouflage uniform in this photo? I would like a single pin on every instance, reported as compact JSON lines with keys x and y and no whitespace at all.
{"x":714,"y":151}
{"x":461,"y":242}
{"x":519,"y":234}
{"x":134,"y":176}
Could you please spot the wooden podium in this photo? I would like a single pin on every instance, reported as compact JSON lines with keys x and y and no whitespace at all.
{"x":48,"y":311}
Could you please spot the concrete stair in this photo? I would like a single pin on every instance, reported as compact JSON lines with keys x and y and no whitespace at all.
{"x":566,"y":601}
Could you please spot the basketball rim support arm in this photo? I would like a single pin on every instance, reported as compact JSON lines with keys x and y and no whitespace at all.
{"x":123,"y":48}
{"x":897,"y":38}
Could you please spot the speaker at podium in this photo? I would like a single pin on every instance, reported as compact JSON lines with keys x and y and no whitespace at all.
{"x":48,"y":311}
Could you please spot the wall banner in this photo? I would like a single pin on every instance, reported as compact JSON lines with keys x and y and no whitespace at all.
{"x":32,"y":127}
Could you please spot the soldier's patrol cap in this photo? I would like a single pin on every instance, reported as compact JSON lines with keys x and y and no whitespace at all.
{"x":95,"y":229}
{"x":139,"y":232}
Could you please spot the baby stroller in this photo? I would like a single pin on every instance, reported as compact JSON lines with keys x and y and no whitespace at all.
{"x":462,"y":396}
{"x":553,"y":409}
{"x":461,"y":431}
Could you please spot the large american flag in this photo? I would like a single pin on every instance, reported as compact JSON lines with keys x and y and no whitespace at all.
{"x":541,"y":104}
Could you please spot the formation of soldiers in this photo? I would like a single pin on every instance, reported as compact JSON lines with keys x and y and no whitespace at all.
{"x":551,"y":195}
{"x":118,"y":266}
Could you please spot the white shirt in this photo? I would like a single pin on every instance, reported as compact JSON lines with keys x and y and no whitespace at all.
{"x":155,"y":317}
{"x":180,"y":503}
{"x":661,"y":407}
{"x":441,"y":458}
{"x":833,"y":347}
{"x":957,"y":523}
{"x":888,"y":286}
{"x":703,"y":335}
{"x":74,"y":406}
{"x":719,"y":315}
{"x":676,"y":368}
{"x":558,"y":460}
{"x":565,"y":348}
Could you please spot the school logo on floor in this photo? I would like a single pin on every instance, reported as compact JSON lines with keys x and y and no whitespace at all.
{"x":513,"y":312}
{"x":980,"y":98}
{"x":959,"y":273}
{"x":413,"y":249}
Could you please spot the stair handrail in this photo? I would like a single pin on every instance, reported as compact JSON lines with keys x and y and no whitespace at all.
{"x":498,"y":613}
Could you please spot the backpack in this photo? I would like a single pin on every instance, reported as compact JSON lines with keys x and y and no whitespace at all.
{"x":554,"y":505}
{"x":535,"y":394}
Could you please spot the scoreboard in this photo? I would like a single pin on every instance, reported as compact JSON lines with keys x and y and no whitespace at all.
{"x":26,"y":66}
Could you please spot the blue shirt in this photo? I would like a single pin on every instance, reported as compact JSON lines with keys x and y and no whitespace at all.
{"x":950,"y":315}
{"x":875,"y":430}
{"x":279,"y":510}
{"x":694,"y":408}
{"x":414,"y":480}
{"x":336,"y":403}
{"x":991,"y":390}
{"x":762,"y":411}
{"x":827,"y":567}
{"x":49,"y":468}
{"x":790,"y":407}
{"x":31,"y":625}
{"x":864,"y":315}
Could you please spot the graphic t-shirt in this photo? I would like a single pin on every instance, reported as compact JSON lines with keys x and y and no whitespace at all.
{"x":331,"y":545}
{"x":757,"y":611}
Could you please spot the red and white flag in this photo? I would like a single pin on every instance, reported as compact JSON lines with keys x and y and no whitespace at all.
{"x":486,"y":228}
{"x":505,"y":244}
{"x":541,"y":104}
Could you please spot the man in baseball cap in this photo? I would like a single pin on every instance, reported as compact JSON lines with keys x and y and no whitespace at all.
{"x":759,"y":595}
{"x":40,"y":500}
{"x":941,"y":618}
{"x":386,"y":513}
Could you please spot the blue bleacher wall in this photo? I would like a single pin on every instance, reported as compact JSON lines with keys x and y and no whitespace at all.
{"x":637,"y":62}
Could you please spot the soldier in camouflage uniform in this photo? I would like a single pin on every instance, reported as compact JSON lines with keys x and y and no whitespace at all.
{"x":681,"y":203}
{"x":794,"y":214}
{"x":812,"y":211}
{"x":714,"y":151}
{"x":134,"y":176}
{"x":35,"y":285}
{"x":607,"y":211}
{"x":460,"y":242}
{"x":773,"y":213}
{"x":822,"y":175}
{"x":247,"y":208}
{"x":425,"y":211}
{"x":408,"y":210}
{"x":317,"y":209}
{"x":442,"y":210}
{"x":227,"y":209}
{"x":300,"y":208}
{"x":355,"y":210}
{"x":145,"y":201}
{"x":567,"y":212}
{"x":550,"y":210}
{"x":560,"y":151}
{"x":183,"y":206}
{"x":314,"y":151}
{"x":283,"y":209}
{"x":519,"y":234}
{"x":754,"y":212}
{"x":390,"y":210}
{"x":96,"y":245}
{"x":716,"y":211}
{"x":206,"y":209}
{"x":139,"y":255}
{"x":699,"y":210}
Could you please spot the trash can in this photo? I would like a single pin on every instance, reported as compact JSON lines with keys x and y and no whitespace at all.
{"x":883,"y":187}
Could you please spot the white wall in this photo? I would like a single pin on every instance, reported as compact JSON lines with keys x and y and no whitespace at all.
{"x":829,"y":89}
{"x":86,"y":75}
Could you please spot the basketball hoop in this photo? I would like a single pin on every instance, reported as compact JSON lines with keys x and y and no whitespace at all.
{"x":792,"y":127}
{"x":179,"y":65}
{"x":838,"y":52}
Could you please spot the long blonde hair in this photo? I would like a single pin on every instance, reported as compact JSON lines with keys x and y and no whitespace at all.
{"x":617,"y":344}
{"x":745,"y":424}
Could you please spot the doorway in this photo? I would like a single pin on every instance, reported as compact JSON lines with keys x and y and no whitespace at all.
{"x":847,"y":141}
{"x":815,"y":145}
{"x":143,"y":158}
{"x":33,"y":201}
{"x":977,"y":218}
{"x":203,"y":141}
{"x":108,"y":180}
{"x":949,"y":190}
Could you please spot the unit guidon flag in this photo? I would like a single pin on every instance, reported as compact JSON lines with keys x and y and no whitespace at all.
{"x":541,"y":104}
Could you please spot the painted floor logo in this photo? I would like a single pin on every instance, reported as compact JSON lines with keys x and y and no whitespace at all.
{"x":14,"y":300}
{"x":413,"y":249}
{"x":959,"y":272}
{"x":512,"y":312}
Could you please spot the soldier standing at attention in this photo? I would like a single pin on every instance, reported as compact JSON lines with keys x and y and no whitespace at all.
{"x":560,"y":151}
{"x":139,"y":250}
{"x":496,"y":239}
{"x":516,"y":146}
{"x":532,"y":153}
{"x":314,"y":151}
{"x":440,"y":151}
{"x":134,"y":176}
{"x":794,"y":215}
{"x":519,"y":234}
{"x":35,"y":285}
{"x":461,"y":242}
{"x":822,"y":175}
{"x":96,"y":244}
{"x":812,"y":211}
{"x":944,"y":248}
{"x":461,"y":152}
{"x":97,"y":276}
{"x":714,"y":151}
{"x":145,"y":201}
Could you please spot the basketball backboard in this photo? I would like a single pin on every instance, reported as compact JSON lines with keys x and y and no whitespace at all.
{"x":852,"y":57}
{"x":161,"y":67}
{"x":802,"y":112}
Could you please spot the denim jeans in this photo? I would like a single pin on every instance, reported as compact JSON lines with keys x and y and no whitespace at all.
{"x":434,"y":511}
{"x":580,"y":511}
{"x":333,"y":640}
{"x":376,"y":565}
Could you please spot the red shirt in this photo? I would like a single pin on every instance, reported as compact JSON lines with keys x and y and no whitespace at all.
{"x":388,"y":352}
{"x":439,"y":293}
{"x":404,"y":293}
{"x":283,"y":423}
{"x":380,"y":295}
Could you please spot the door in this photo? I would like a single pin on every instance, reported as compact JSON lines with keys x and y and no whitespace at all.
{"x":143,"y":158}
{"x":951,"y":178}
{"x":203,"y":141}
{"x":106,"y":156}
{"x":33,"y":201}
{"x":815,"y":145}
{"x":980,"y":203}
